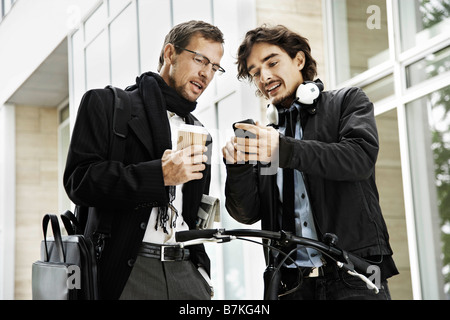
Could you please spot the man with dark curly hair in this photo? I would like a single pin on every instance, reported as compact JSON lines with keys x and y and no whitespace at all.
{"x":311,"y":172}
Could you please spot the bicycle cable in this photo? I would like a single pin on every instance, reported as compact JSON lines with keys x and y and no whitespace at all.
{"x":286,"y":257}
{"x":277,"y":269}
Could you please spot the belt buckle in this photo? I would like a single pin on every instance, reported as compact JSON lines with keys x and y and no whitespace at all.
{"x":315,"y":272}
{"x":163,"y":254}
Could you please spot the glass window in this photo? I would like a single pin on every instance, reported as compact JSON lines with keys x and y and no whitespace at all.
{"x":226,"y":19}
{"x":428,"y":122}
{"x":243,"y":263}
{"x":439,"y":104}
{"x":380,"y":89}
{"x":422,"y":20}
{"x":234,"y":277}
{"x":390,"y":187}
{"x":97,"y":63}
{"x":78,"y":74}
{"x":360,"y":35}
{"x":95,"y":23}
{"x":124,"y":48}
{"x":428,"y":67}
{"x":183,"y":10}
{"x":152,"y":30}
{"x":116,"y":5}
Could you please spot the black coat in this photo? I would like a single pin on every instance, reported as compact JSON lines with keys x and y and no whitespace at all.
{"x":127,"y":190}
{"x":337,"y":157}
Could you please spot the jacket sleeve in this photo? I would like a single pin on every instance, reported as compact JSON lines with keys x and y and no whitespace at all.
{"x":241,"y":192}
{"x":90,"y":178}
{"x":352,"y":148}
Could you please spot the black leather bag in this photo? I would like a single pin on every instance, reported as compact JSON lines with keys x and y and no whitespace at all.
{"x":68,"y":266}
{"x":67,"y":269}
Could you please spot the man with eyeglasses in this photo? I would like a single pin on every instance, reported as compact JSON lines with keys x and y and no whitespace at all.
{"x":156,"y":190}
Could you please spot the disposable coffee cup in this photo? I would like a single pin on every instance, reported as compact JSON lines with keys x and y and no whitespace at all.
{"x":189,"y":135}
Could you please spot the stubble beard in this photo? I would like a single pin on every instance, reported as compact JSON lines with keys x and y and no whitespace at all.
{"x":180,"y":89}
{"x":284,"y":101}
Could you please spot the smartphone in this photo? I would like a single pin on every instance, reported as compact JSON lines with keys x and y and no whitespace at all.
{"x":241,"y":133}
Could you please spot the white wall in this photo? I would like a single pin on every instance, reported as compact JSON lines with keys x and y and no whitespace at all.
{"x":30,"y":32}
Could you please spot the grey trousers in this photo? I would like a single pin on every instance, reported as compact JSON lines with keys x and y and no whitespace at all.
{"x":152,"y":279}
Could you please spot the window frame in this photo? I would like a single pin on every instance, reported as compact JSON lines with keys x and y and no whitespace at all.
{"x":396,"y":65}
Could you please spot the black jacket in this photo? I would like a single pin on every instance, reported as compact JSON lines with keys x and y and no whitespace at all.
{"x":128,"y":191}
{"x":337,"y":157}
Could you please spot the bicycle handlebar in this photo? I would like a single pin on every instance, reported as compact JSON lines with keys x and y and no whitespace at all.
{"x":183,"y":236}
{"x":349,"y":260}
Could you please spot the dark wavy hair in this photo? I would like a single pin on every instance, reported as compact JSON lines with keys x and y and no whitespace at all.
{"x":282,"y":37}
{"x":181,"y":35}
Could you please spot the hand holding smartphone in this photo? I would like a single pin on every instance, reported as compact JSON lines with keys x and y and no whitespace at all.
{"x":241,"y":133}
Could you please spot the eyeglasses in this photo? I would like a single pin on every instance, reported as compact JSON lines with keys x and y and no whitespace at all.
{"x":204,"y":61}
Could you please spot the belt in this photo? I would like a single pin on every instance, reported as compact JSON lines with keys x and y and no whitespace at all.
{"x":163,"y":252}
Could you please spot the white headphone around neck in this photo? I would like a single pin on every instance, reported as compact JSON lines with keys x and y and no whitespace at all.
{"x":307,"y":94}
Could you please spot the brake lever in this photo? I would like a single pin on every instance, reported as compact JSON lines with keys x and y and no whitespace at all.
{"x":348,"y":265}
{"x":223,"y":237}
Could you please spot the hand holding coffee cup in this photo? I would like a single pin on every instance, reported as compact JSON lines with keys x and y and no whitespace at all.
{"x":189,"y":135}
{"x":187,"y":162}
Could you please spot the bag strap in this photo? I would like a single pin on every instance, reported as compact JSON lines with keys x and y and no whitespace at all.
{"x":56,"y":235}
{"x":121,"y":116}
{"x":70,"y":222}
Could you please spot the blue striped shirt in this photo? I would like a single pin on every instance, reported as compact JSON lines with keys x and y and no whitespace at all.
{"x":304,"y":222}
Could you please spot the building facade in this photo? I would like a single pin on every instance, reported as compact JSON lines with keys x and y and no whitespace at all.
{"x":52,"y":51}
